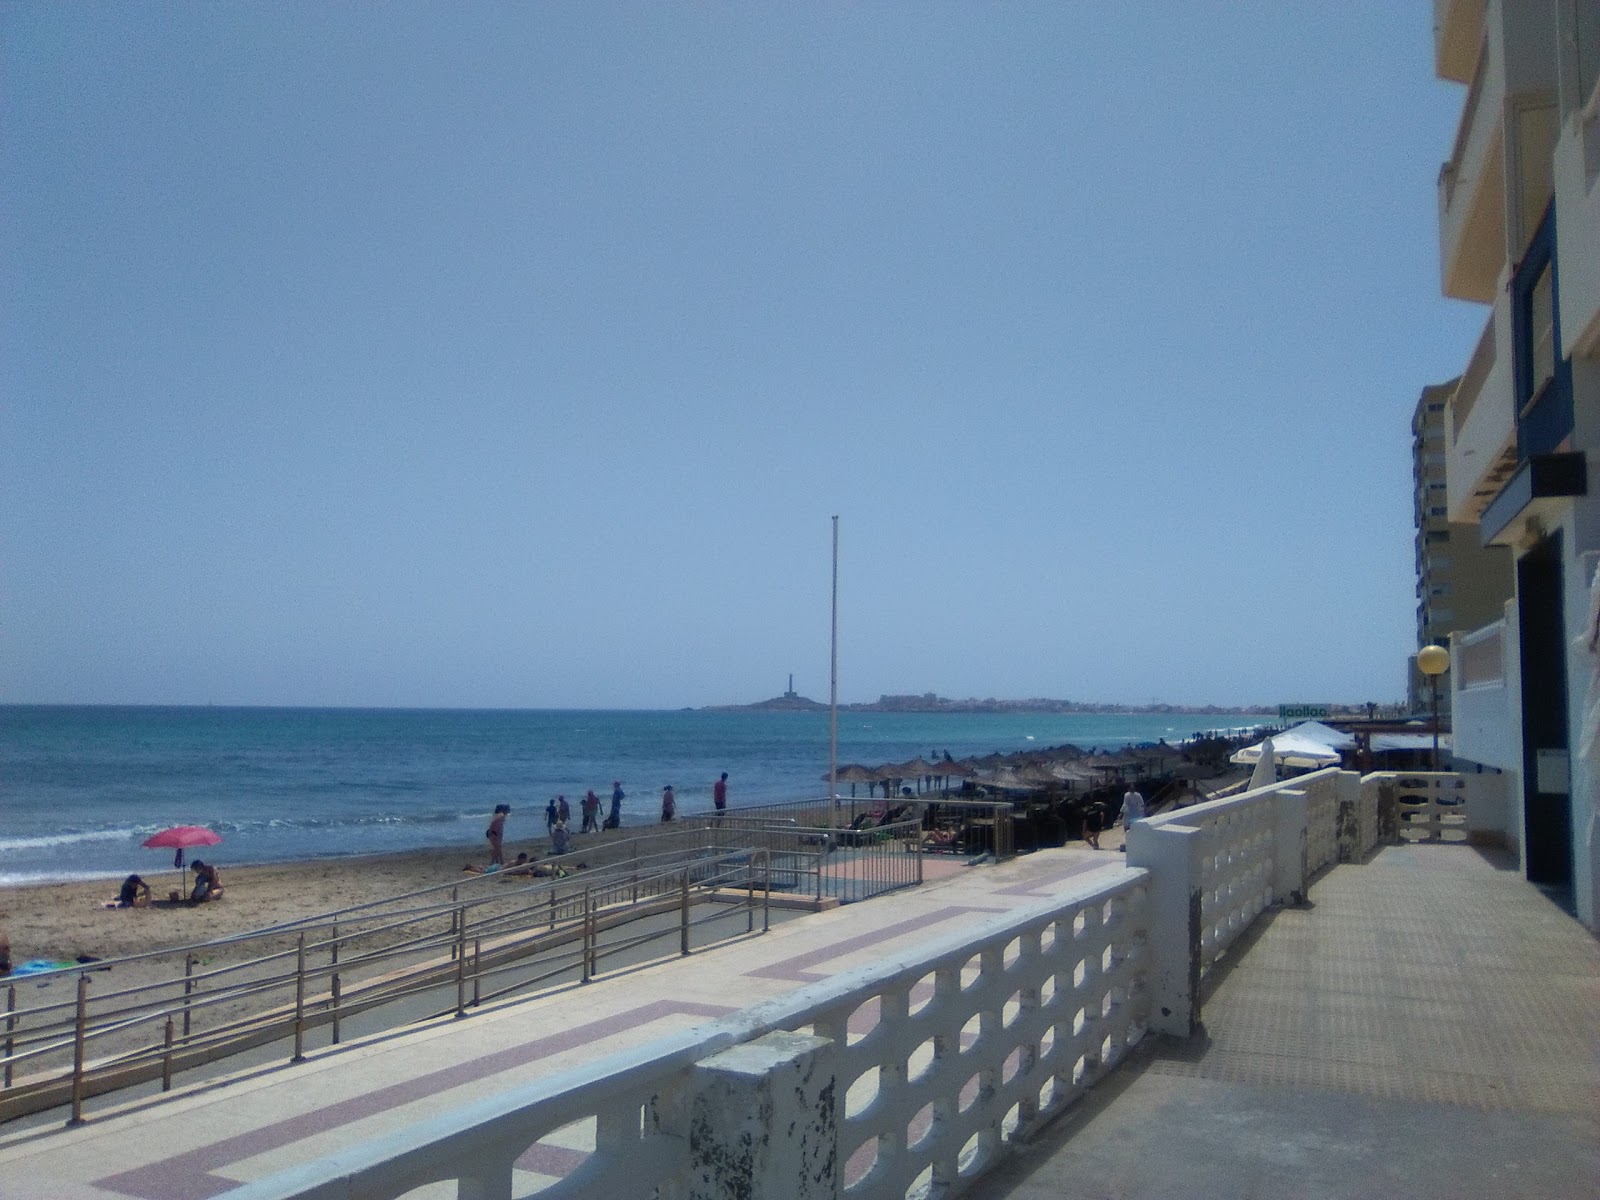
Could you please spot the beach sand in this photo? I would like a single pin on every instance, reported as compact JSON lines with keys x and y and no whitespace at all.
{"x":62,"y":921}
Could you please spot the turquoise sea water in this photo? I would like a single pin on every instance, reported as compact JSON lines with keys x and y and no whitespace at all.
{"x":80,"y":788}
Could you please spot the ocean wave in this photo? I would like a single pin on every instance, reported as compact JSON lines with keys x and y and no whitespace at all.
{"x":358,"y":821}
{"x":26,"y":878}
{"x":45,"y":841}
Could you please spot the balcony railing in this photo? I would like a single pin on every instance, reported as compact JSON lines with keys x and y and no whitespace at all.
{"x":1472,"y":185}
{"x":1479,"y":657}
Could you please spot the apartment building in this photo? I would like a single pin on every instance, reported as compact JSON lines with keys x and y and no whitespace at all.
{"x":1519,"y":232}
{"x":1461,"y":585}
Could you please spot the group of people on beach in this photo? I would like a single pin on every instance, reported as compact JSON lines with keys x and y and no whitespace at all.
{"x":135,"y":892}
{"x":719,"y":799}
{"x":557,"y":818}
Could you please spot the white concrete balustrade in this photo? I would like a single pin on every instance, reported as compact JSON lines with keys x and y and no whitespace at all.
{"x":930,"y":1062}
{"x":910,"y":1077}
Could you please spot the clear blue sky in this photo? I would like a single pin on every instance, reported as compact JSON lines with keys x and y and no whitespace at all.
{"x":518,"y":355}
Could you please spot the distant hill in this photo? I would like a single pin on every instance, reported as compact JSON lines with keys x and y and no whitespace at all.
{"x":788,"y":702}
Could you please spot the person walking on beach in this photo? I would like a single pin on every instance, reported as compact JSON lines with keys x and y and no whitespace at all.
{"x":496,"y":833}
{"x":614,"y":821}
{"x":719,"y":794}
{"x":591,"y":812}
{"x":1094,"y":820}
{"x":550,"y":815}
{"x":1132,"y":810}
{"x":669,"y":804}
{"x":563,"y":809}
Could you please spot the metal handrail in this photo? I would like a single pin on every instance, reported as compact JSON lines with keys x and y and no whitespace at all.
{"x":56,"y":1037}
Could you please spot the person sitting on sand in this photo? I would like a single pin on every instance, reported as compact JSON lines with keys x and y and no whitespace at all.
{"x":135,"y":893}
{"x":560,"y":840}
{"x":207,"y":883}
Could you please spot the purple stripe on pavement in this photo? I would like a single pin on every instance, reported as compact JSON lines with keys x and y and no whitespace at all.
{"x":798,"y":967}
{"x":190,"y":1175}
{"x":1049,"y":879}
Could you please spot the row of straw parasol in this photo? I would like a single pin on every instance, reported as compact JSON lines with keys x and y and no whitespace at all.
{"x":1056,"y":768}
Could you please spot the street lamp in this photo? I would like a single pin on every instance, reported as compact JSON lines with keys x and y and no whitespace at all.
{"x":1434,"y":661}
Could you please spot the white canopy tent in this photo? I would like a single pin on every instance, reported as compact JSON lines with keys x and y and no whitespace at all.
{"x":1309,"y":745}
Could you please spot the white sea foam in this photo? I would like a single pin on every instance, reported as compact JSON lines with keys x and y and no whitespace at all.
{"x":66,"y":839}
{"x":25,"y":878}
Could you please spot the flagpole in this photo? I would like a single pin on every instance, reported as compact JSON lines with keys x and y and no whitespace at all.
{"x":833,"y":681}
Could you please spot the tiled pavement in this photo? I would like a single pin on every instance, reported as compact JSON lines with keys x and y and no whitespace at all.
{"x":1429,"y":1026}
{"x":205,"y":1141}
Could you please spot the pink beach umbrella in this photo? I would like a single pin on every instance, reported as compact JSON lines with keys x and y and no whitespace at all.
{"x":181,"y":838}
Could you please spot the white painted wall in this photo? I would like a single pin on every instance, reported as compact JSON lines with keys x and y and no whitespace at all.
{"x":1581,"y":550}
{"x":1578,"y":234}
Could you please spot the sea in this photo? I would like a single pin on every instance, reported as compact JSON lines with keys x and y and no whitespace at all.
{"x":82,"y":787}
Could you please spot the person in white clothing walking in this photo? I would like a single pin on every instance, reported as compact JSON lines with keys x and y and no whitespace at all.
{"x":1132,"y":810}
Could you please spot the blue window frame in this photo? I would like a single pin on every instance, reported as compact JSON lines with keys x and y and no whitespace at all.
{"x":1543,"y":376}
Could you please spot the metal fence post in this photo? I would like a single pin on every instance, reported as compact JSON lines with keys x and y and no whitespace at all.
{"x":11,"y":1027}
{"x":461,"y":963}
{"x":300,"y":1000}
{"x":188,"y":990}
{"x":766,"y":889}
{"x":333,"y":983}
{"x":79,"y":1030}
{"x":683,"y":915}
{"x":455,"y":922}
{"x":166,"y":1058}
{"x":583,"y":942}
{"x":477,"y":972}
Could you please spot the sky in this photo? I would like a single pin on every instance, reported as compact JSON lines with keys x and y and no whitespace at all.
{"x":519,"y":355}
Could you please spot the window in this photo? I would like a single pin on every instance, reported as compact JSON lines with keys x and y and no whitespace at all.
{"x":1542,"y":331}
{"x":1543,"y":377}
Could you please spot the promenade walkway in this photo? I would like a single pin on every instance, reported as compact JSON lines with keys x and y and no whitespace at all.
{"x":1428,"y":1027}
{"x":204,"y":1141}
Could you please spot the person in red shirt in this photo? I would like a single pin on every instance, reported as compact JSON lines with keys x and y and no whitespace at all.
{"x":719,"y":793}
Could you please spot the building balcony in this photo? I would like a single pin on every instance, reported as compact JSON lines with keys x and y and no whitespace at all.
{"x":1482,"y":441}
{"x":1472,"y":188}
{"x":1457,"y":37}
{"x":1487,"y":717}
{"x":1577,"y":168}
{"x":1495,"y":186}
{"x":1538,"y":490}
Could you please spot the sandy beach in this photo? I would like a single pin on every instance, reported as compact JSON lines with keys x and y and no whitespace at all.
{"x":63,"y":921}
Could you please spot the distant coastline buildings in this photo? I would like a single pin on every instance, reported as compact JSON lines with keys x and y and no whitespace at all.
{"x":1519,"y":232}
{"x":931,"y":702}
